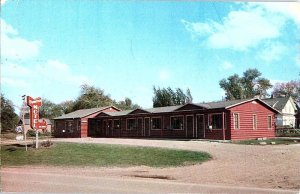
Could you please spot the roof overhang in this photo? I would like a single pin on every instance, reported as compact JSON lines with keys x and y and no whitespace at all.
{"x":250,"y":100}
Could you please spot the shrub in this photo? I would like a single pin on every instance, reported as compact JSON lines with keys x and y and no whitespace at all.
{"x":46,"y":144}
{"x":31,"y":133}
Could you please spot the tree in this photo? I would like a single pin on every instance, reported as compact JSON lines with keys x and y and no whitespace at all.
{"x":91,"y":97}
{"x":9,"y":118}
{"x":126,"y":104}
{"x":168,"y":97}
{"x":67,"y":106}
{"x":291,"y":88}
{"x":248,"y":86}
{"x":50,"y":110}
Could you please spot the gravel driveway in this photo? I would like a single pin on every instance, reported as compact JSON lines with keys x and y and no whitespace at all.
{"x":268,"y":166}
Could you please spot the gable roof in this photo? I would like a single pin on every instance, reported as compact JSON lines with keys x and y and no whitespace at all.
{"x":232,"y":103}
{"x":163,"y":109}
{"x":278,"y":103}
{"x":82,"y":113}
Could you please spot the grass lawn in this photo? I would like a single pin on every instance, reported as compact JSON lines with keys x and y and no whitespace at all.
{"x":268,"y":141}
{"x":72,"y":154}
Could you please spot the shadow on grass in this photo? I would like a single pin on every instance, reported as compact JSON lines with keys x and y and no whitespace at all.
{"x":14,"y":147}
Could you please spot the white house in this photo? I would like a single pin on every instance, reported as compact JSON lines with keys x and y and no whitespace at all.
{"x":287,"y":108}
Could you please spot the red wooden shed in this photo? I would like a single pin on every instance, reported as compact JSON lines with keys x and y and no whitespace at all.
{"x":75,"y":124}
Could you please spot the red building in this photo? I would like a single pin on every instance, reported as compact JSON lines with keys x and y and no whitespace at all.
{"x":226,"y":120}
{"x":75,"y":124}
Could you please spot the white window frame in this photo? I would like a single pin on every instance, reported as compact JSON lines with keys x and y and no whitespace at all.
{"x":160,"y":122}
{"x":210,"y":115}
{"x":234,"y":127}
{"x":254,"y":124}
{"x":114,"y":123}
{"x":269,"y":116}
{"x":127,"y":123}
{"x":193,"y":124}
{"x":182,"y":122}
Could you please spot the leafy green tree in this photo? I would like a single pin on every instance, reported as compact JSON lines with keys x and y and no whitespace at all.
{"x":50,"y":110}
{"x":9,"y":118}
{"x":248,"y":86}
{"x":168,"y":97}
{"x":91,"y":97}
{"x":67,"y":106}
{"x":126,"y":104}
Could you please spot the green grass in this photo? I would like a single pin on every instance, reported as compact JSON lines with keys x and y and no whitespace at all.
{"x":268,"y":141}
{"x":72,"y":154}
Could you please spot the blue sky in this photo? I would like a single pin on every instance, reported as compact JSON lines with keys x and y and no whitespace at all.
{"x":49,"y":48}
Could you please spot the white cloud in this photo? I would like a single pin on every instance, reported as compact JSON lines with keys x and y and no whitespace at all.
{"x":240,"y":30}
{"x":14,"y":82}
{"x":226,"y":65}
{"x":288,"y":9}
{"x":11,"y":69}
{"x":2,"y":2}
{"x":164,"y":75}
{"x":53,"y":71}
{"x":272,"y":52}
{"x":16,"y":47}
{"x":60,"y":72}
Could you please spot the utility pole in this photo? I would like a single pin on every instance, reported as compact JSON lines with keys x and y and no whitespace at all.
{"x":23,"y":119}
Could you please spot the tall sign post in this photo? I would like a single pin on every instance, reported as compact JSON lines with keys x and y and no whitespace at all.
{"x":34,"y":104}
{"x":23,"y":119}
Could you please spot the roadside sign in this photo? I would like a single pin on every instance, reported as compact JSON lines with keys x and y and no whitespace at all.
{"x":34,"y":105}
{"x":19,"y":129}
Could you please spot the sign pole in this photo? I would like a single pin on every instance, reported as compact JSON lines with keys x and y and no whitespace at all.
{"x":36,"y":139}
{"x":23,"y":117}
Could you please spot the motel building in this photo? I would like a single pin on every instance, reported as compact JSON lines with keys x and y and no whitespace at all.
{"x":224,"y":120}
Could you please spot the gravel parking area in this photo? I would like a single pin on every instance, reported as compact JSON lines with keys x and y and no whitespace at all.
{"x":268,"y":166}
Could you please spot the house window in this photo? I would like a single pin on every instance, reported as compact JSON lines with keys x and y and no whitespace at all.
{"x":269,"y":122}
{"x":216,"y":121}
{"x":236,"y":120}
{"x":156,"y":123}
{"x":177,"y":122}
{"x":131,"y":124}
{"x":254,"y":122}
{"x":117,"y":124}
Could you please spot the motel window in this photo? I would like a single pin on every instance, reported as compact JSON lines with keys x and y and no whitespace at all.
{"x":131,"y":124}
{"x":156,"y":123}
{"x":254,"y":122}
{"x":216,"y":121}
{"x":117,"y":124}
{"x":177,"y":122}
{"x":269,"y":122}
{"x":236,"y":120}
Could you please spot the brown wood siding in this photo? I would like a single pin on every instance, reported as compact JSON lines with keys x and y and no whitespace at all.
{"x":61,"y":130}
{"x":246,"y":112}
{"x":84,"y":120}
{"x":217,"y":133}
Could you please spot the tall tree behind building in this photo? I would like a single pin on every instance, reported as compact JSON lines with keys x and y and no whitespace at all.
{"x":291,"y":88}
{"x":91,"y":97}
{"x":251,"y":84}
{"x":169,"y":97}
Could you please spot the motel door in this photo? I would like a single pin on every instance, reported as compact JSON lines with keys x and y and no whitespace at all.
{"x":140,"y":127}
{"x":190,"y":126}
{"x":200,"y":126}
{"x":147,"y":127}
